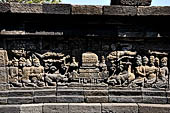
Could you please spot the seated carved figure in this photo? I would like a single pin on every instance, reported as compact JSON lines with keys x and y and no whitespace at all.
{"x":152,"y":73}
{"x":162,"y":78}
{"x":139,"y":73}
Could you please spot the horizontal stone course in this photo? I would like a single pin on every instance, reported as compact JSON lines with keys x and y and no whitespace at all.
{"x":68,"y":9}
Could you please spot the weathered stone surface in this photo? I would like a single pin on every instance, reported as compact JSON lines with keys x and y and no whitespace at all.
{"x":20,"y":93}
{"x":70,"y":92}
{"x":45,"y":92}
{"x":119,"y":108}
{"x":55,"y":108}
{"x":87,"y":9}
{"x":84,"y":108}
{"x":3,"y":93}
{"x":31,"y":108}
{"x":96,"y":99}
{"x":3,"y":100}
{"x":56,"y":8}
{"x":96,"y":92}
{"x":44,"y":99}
{"x":119,"y":10}
{"x":26,"y":8}
{"x":3,"y":87}
{"x":70,"y":99}
{"x":153,"y":11}
{"x":20,"y":100}
{"x":155,"y":99}
{"x":3,"y":75}
{"x":154,"y":108}
{"x":113,"y":92}
{"x":125,"y":99}
{"x":4,"y":7}
{"x":9,"y":108}
{"x":131,"y":2}
{"x":153,"y":93}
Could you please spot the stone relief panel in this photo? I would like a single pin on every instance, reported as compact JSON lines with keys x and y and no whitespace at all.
{"x":126,"y":68}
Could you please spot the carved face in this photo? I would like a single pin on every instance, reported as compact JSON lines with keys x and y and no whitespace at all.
{"x":139,"y":62}
{"x":152,"y":60}
{"x":145,"y":60}
{"x":36,"y":64}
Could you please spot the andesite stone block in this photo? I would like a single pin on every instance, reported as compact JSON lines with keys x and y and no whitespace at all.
{"x":44,"y":99}
{"x":119,"y":108}
{"x":117,"y":10}
{"x":9,"y":108}
{"x":87,"y":9}
{"x":131,"y":2}
{"x":155,"y":99}
{"x":96,"y":99}
{"x":26,"y":8}
{"x":125,"y":99}
{"x":31,"y":108}
{"x":20,"y":100}
{"x":62,"y":92}
{"x":45,"y":92}
{"x":20,"y":93}
{"x":70,"y":99}
{"x":56,"y":9}
{"x":154,"y":108}
{"x":96,"y":92}
{"x":3,"y":100}
{"x":55,"y":108}
{"x":85,"y":108}
{"x":153,"y":11}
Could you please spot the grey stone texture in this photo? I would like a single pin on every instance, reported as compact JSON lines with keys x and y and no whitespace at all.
{"x":120,"y":11}
{"x":9,"y":109}
{"x":31,"y":108}
{"x":56,"y":9}
{"x":119,"y":108}
{"x":55,"y":108}
{"x":131,"y":2}
{"x":4,"y":7}
{"x":87,"y":10}
{"x":84,"y":108}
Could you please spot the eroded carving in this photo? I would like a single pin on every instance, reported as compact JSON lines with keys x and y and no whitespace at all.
{"x":119,"y":69}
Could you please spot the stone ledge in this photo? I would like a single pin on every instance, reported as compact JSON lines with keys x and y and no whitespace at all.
{"x":86,"y":108}
{"x":68,"y":9}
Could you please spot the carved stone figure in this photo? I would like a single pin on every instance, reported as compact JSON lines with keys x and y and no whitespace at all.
{"x":162,"y":78}
{"x":139,"y":73}
{"x":14,"y":78}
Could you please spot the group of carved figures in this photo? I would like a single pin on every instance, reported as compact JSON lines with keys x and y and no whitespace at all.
{"x":120,"y":68}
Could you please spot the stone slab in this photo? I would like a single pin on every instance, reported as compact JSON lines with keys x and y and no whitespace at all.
{"x":120,"y":10}
{"x":4,"y":7}
{"x":31,"y":108}
{"x":9,"y":109}
{"x":20,"y":100}
{"x":44,"y":99}
{"x":56,"y":8}
{"x":114,"y":92}
{"x":119,"y":108}
{"x":153,"y":11}
{"x":131,"y":2}
{"x":84,"y":108}
{"x":153,"y":93}
{"x":125,"y":99}
{"x":3,"y":93}
{"x":55,"y":108}
{"x":21,"y":93}
{"x":87,"y":9}
{"x":96,"y":99}
{"x":45,"y":92}
{"x":155,"y":99}
{"x":96,"y":92}
{"x":70,"y":99}
{"x":26,"y":8}
{"x":62,"y":92}
{"x":154,"y":108}
{"x":4,"y":87}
